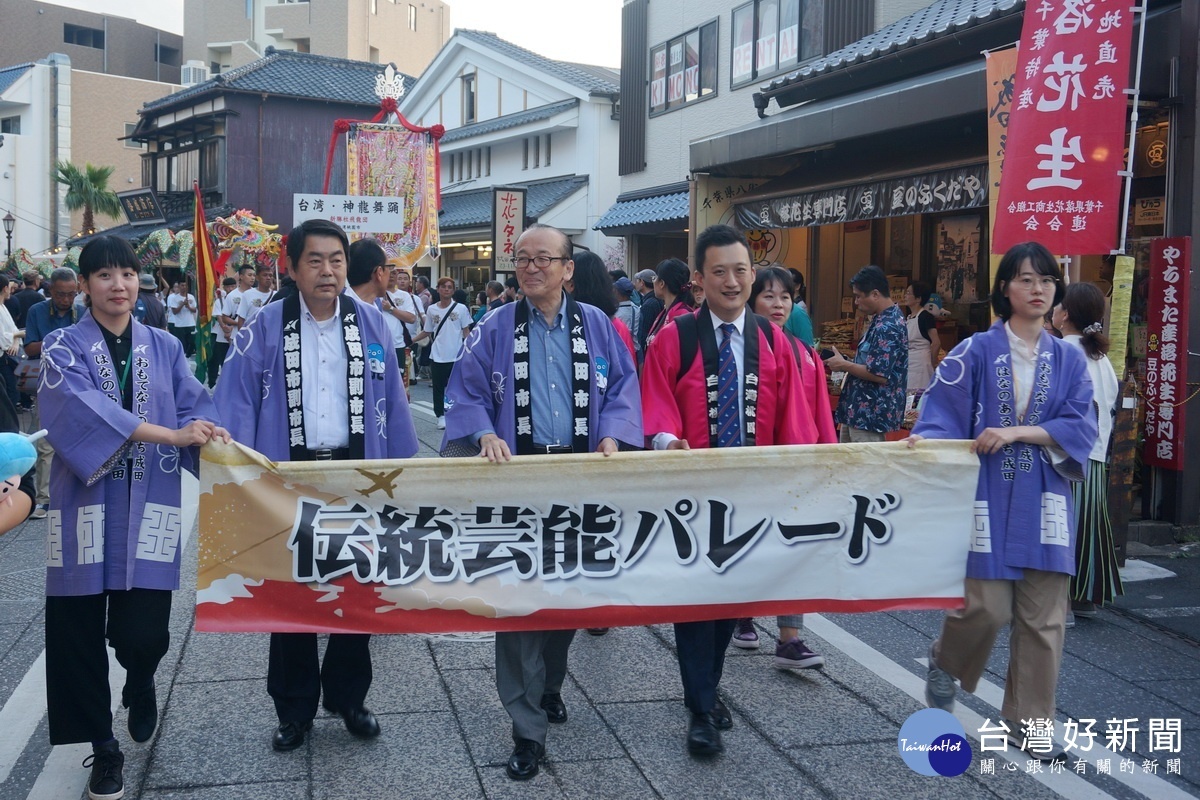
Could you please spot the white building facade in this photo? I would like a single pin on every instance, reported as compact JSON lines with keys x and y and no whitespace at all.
{"x":516,"y":119}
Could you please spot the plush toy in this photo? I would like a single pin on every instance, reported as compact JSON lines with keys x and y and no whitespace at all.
{"x":17,"y":456}
{"x":934,"y":306}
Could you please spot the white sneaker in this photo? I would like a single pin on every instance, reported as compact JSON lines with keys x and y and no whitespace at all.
{"x":441,"y":423}
{"x":39,"y":512}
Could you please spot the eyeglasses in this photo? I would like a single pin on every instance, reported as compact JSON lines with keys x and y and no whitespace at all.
{"x":1026,"y":282}
{"x":542,"y":262}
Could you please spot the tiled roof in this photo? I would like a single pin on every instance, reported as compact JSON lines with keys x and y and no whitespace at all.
{"x":474,"y":208}
{"x":599,"y":80}
{"x":509,"y":120}
{"x":666,"y":207}
{"x":136,"y":233}
{"x":10,"y":75}
{"x":943,"y":18}
{"x":289,"y":74}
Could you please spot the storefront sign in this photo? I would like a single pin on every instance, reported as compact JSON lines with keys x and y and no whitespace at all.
{"x":944,"y":190}
{"x":546,"y":542}
{"x":1001,"y":80}
{"x":354,"y":213}
{"x":1150,"y":211}
{"x":141,"y":207}
{"x":1166,"y":351}
{"x":508,"y":223}
{"x":1066,"y":135}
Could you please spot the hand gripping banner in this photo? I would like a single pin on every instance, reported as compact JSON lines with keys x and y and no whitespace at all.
{"x":550,"y":542}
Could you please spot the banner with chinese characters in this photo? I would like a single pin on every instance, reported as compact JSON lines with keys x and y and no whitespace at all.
{"x":1067,"y":131}
{"x":508,"y":223}
{"x":1166,"y":351}
{"x":391,"y":161}
{"x":1001,"y":70}
{"x":944,"y":190}
{"x":354,"y":213}
{"x":575,"y":541}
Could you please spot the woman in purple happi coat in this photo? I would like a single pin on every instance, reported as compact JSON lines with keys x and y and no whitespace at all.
{"x":1025,"y":399}
{"x":125,"y":417}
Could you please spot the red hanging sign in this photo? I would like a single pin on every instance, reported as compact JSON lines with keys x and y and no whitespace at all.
{"x":1066,"y":134}
{"x":1166,"y":351}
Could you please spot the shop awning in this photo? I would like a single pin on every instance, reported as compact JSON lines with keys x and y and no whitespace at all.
{"x":135,"y":233}
{"x":938,"y":96}
{"x":473,"y":209}
{"x":664,"y":208}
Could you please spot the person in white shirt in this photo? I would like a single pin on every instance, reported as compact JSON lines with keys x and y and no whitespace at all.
{"x":181,"y":316}
{"x":221,"y":330}
{"x":254,"y":299}
{"x":446,"y":325}
{"x":400,"y":309}
{"x":10,"y":342}
{"x":231,"y":313}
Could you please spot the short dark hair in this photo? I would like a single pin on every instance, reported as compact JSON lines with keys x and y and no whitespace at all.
{"x":1043,"y":263}
{"x":717,"y":236}
{"x":229,"y":281}
{"x":617,"y":274}
{"x":511,"y":282}
{"x":871,"y":279}
{"x":102,"y":252}
{"x":30,"y":277}
{"x":4,"y":281}
{"x":298,"y":237}
{"x":921,"y":291}
{"x":245,"y":267}
{"x":423,"y":280}
{"x":495,"y":287}
{"x":765,"y":277}
{"x":366,"y":256}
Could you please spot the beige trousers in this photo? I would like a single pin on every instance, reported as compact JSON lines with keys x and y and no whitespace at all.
{"x":1036,"y":606}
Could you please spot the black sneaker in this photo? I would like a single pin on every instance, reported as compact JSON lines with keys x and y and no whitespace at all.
{"x":106,"y":762}
{"x":143,"y":712}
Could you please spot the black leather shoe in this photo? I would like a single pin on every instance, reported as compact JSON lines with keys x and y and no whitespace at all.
{"x":361,"y":722}
{"x":143,"y":712}
{"x":703,"y":738}
{"x":523,"y":763}
{"x":290,"y":735}
{"x":722,"y":720}
{"x":556,"y":711}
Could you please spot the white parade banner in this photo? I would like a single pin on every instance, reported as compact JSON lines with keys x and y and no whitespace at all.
{"x":572,"y":541}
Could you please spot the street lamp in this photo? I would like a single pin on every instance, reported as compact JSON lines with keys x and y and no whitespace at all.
{"x":10,"y":222}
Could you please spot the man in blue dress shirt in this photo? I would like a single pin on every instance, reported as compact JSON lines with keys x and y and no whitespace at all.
{"x":544,"y":375}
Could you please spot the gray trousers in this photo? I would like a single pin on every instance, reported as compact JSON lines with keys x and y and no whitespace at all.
{"x":530,"y":664}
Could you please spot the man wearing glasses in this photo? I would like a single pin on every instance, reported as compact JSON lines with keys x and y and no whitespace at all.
{"x":544,"y":375}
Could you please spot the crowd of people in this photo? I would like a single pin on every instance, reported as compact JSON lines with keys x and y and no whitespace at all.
{"x":694,"y":356}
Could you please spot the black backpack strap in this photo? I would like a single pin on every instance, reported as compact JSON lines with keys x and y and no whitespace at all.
{"x":689,"y":342}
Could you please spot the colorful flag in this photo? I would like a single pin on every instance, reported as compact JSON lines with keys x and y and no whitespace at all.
{"x":206,"y":282}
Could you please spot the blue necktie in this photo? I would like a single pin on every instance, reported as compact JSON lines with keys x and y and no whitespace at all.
{"x":729,"y":423}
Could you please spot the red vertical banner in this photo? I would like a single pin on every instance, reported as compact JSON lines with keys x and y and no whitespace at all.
{"x":1067,"y":131}
{"x":1166,"y":351}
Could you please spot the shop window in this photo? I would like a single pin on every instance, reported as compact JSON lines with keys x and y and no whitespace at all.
{"x":10,"y":125}
{"x":83,"y":36}
{"x":684,"y":69}
{"x":469,"y":99}
{"x":773,"y":36}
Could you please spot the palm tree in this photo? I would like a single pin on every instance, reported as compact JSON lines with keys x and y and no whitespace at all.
{"x":87,"y":188}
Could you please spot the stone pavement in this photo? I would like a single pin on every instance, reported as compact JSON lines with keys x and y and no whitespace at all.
{"x":797,"y":734}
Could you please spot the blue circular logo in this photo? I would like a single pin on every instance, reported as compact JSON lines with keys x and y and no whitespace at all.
{"x":375,"y":358}
{"x":932,"y":742}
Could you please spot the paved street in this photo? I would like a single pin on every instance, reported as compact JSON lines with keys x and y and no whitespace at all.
{"x":802,"y":734}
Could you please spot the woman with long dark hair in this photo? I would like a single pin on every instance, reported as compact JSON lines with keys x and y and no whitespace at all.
{"x":1024,"y":398}
{"x":672,"y":285}
{"x":1080,"y":319}
{"x":591,"y":284}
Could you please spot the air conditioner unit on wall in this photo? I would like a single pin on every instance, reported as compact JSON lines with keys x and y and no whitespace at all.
{"x":193,"y":72}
